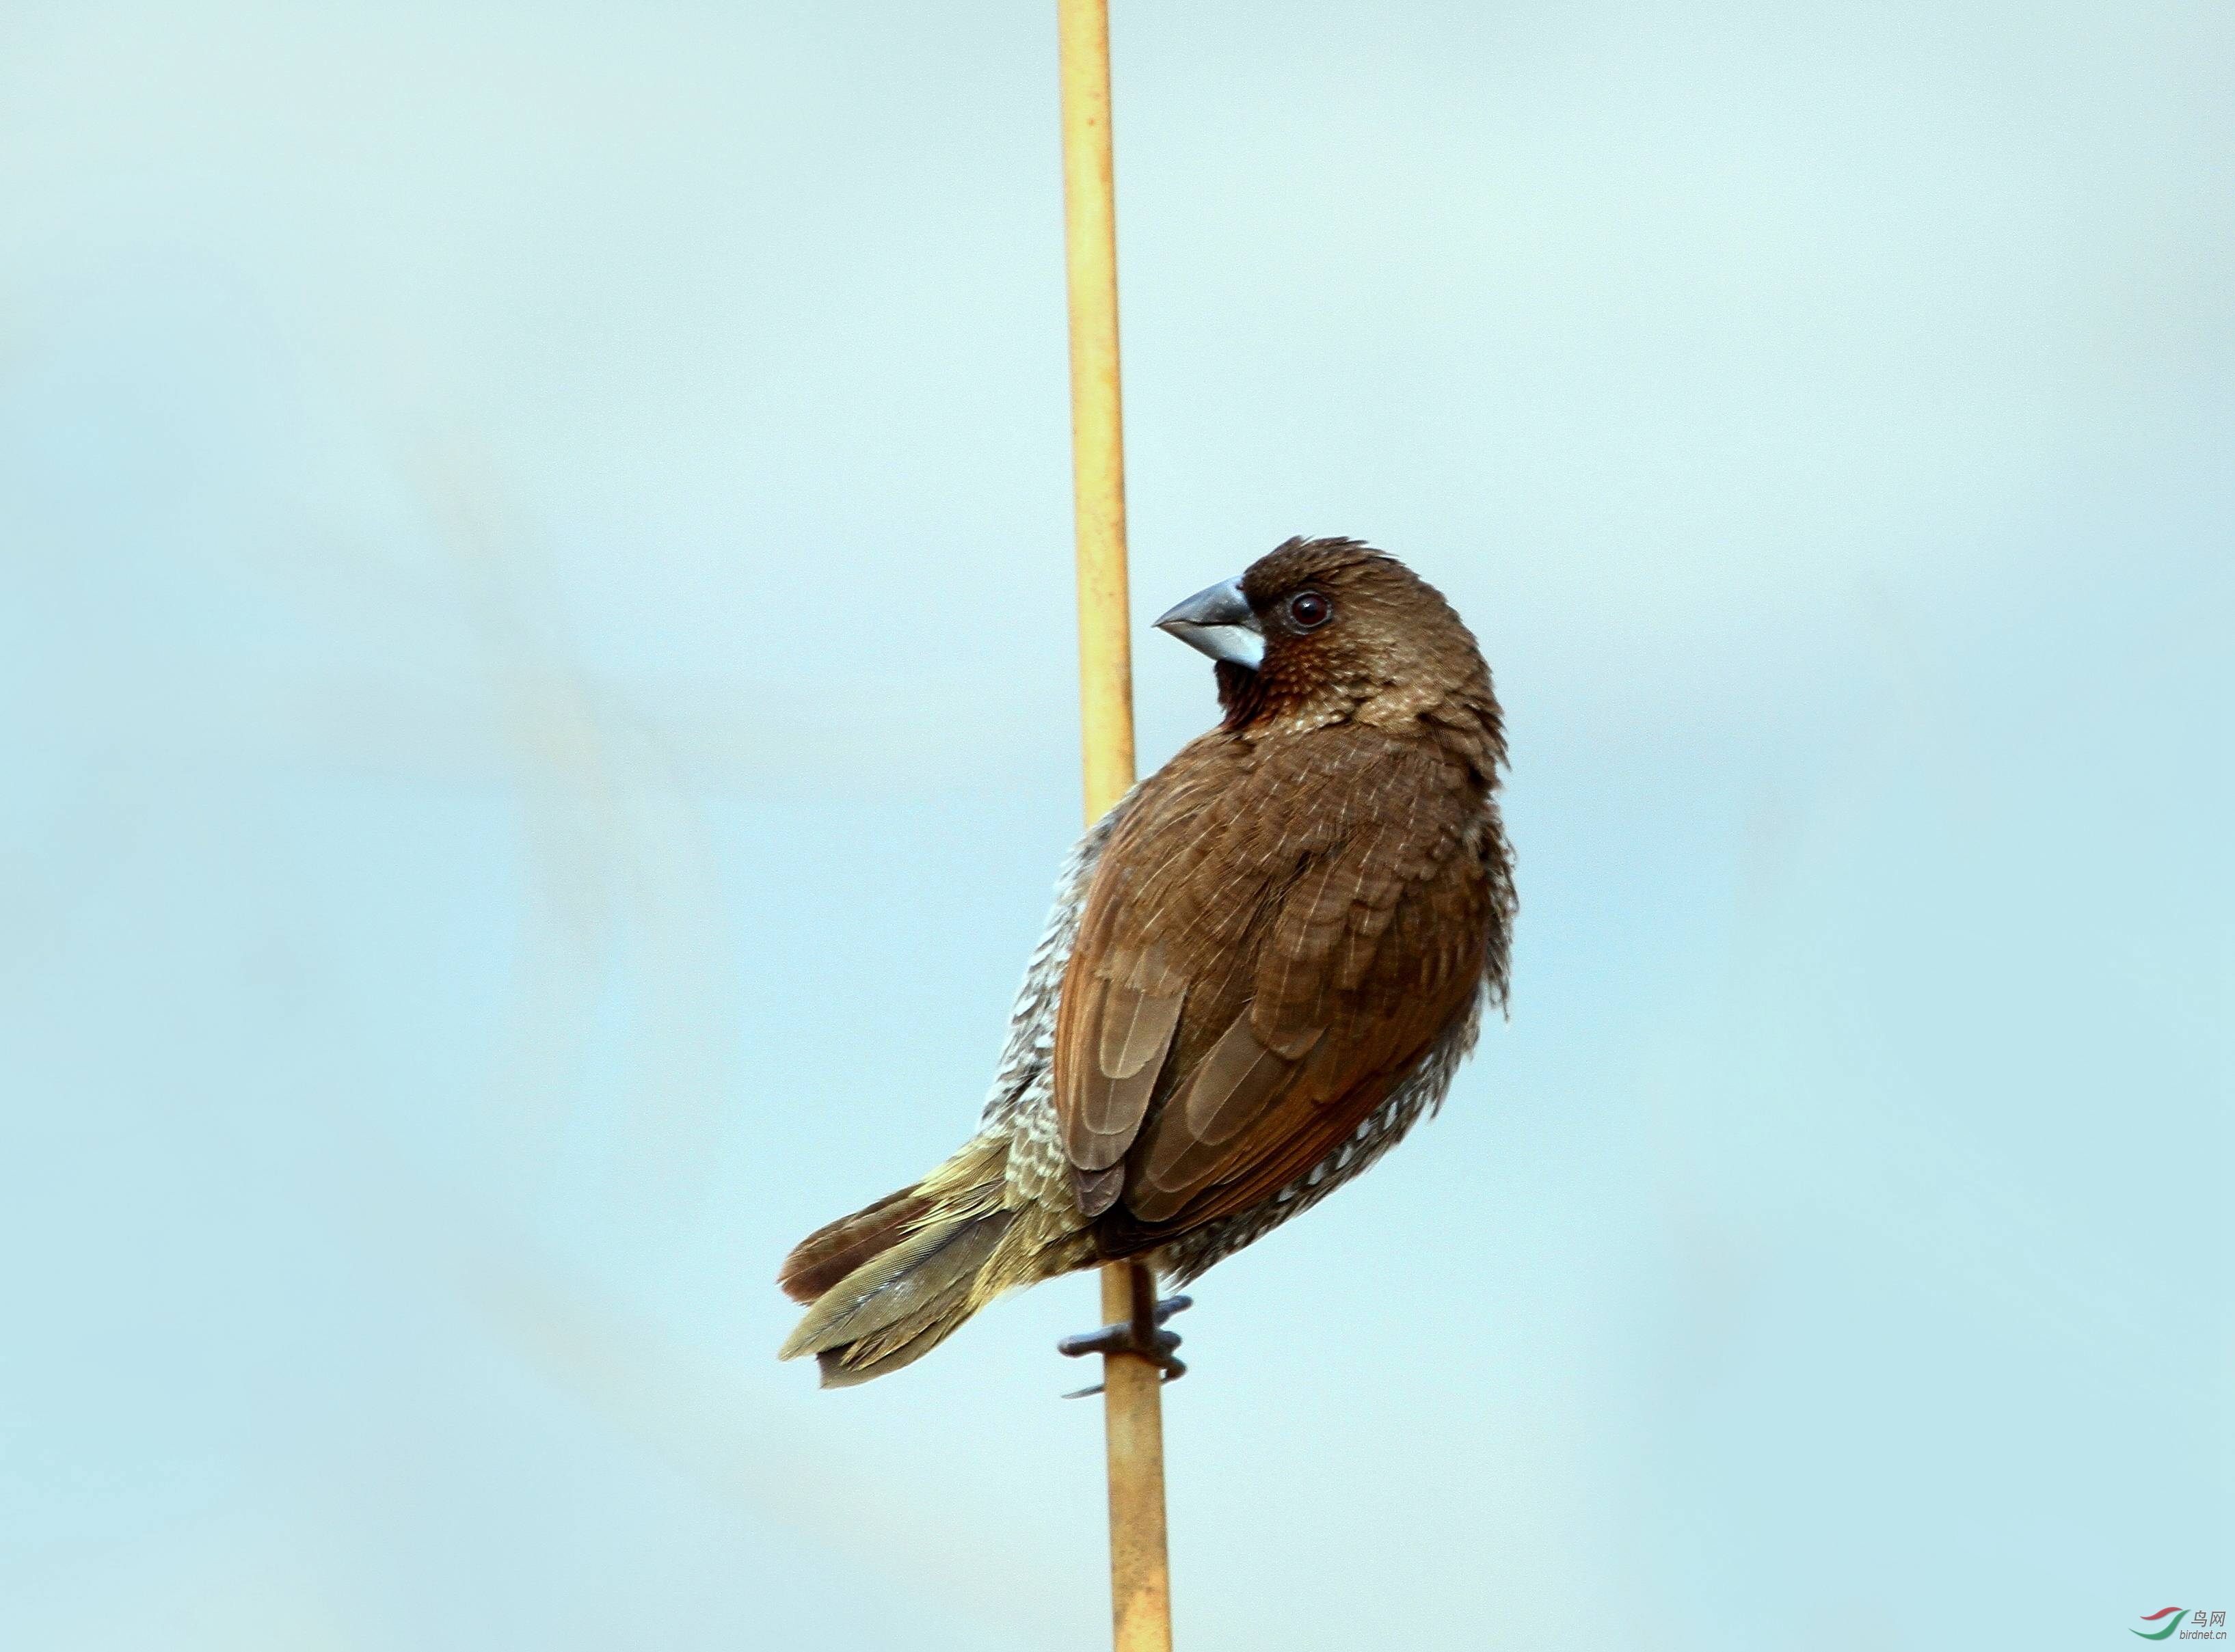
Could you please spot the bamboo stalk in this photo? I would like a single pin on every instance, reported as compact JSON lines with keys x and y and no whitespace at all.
{"x":1140,"y":1583}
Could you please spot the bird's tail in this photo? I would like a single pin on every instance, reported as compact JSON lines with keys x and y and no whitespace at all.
{"x":888,"y":1283}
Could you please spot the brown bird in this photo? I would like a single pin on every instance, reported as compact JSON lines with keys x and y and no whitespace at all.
{"x":1264,"y":964}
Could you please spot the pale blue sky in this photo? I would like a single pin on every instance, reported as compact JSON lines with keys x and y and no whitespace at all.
{"x":537,"y":687}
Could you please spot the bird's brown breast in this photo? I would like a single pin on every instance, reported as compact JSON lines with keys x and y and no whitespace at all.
{"x":1280,"y":928}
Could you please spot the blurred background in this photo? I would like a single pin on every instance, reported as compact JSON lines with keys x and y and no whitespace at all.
{"x":537,"y":689}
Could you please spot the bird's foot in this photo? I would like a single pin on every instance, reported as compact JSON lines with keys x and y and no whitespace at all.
{"x":1146,"y":1338}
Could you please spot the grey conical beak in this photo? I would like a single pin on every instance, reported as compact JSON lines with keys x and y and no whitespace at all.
{"x":1218,"y":622}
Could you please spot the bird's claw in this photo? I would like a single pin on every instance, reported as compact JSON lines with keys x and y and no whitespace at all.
{"x":1151,"y":1341}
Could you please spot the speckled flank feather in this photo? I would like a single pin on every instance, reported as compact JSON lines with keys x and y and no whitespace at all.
{"x":1021,"y":1104}
{"x":1263,"y":967}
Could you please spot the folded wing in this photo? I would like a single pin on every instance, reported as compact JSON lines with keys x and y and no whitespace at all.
{"x":1264,"y":954}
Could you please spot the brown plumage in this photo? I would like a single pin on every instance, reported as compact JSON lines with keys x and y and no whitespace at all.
{"x":1264,"y":963}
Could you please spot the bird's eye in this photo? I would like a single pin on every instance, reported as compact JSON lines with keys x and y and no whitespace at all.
{"x":1310,"y":610}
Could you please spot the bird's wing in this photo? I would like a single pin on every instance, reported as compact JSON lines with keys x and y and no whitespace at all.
{"x":1271,"y":941}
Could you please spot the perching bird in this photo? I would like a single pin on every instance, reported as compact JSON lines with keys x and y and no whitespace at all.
{"x":1264,"y":963}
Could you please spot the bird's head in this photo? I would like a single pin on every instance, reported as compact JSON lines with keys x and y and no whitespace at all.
{"x":1330,"y":631}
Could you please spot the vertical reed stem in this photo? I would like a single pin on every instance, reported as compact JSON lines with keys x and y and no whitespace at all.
{"x":1140,"y":1583}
